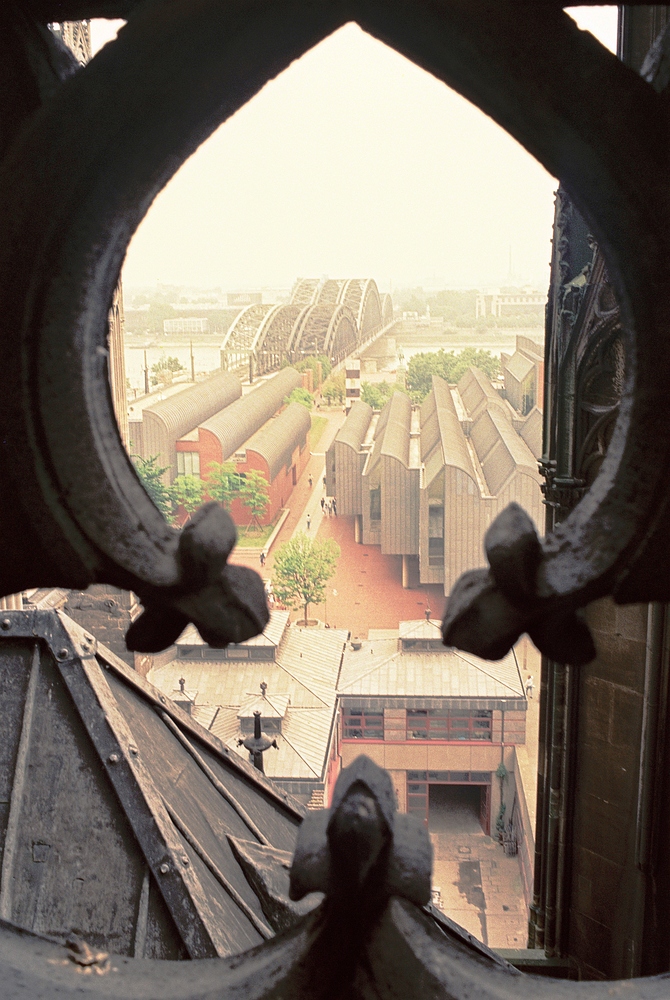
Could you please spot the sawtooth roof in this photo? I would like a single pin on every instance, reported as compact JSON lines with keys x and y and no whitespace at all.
{"x":185,"y":410}
{"x":519,"y":366}
{"x":501,"y":451}
{"x":355,"y":427}
{"x":441,"y":428}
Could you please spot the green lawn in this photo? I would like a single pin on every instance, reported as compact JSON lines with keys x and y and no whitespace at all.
{"x":318,"y":427}
{"x":253,"y":537}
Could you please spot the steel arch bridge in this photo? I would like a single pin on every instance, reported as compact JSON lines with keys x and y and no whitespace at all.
{"x":331,"y":318}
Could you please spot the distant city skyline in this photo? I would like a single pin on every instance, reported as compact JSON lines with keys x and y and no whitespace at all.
{"x":354,"y":161}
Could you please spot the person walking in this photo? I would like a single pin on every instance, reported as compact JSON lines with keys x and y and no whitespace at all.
{"x":309,"y":521}
{"x":323,"y":502}
{"x":529,"y":686}
{"x":324,"y":482}
{"x":311,"y":482}
{"x":262,"y":557}
{"x":334,"y":501}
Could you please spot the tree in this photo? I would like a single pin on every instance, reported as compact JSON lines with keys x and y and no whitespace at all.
{"x":151,"y":477}
{"x":302,"y":396}
{"x":377,"y":394}
{"x":447,"y":365}
{"x":165,"y":370}
{"x":302,"y":569}
{"x":255,"y":495}
{"x":189,"y":491}
{"x":223,"y":482}
{"x":319,"y":366}
{"x":334,"y":388}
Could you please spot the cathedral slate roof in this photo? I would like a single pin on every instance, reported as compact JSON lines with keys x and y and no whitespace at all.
{"x":118,"y":806}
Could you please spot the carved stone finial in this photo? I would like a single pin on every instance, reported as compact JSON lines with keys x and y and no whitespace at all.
{"x":225,"y":603}
{"x":361,"y":846}
{"x":488,"y":610}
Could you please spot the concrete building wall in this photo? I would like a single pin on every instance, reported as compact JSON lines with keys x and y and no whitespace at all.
{"x":400,"y":508}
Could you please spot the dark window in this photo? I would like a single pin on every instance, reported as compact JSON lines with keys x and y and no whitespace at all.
{"x":362,"y":724}
{"x":450,"y":724}
{"x":376,"y":504}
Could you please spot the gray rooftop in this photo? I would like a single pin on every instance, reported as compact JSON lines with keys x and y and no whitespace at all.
{"x":354,"y":428}
{"x":519,"y":367}
{"x":305,"y":672}
{"x":382,"y":669}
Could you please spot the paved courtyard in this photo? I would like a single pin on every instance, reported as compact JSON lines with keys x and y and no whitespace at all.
{"x":480,"y":887}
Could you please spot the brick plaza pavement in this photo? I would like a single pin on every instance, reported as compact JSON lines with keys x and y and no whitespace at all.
{"x":366,"y":591}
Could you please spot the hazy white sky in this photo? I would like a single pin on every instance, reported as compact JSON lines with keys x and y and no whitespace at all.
{"x":353,"y":162}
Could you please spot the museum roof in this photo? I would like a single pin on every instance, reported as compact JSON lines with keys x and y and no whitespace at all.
{"x":183,"y":411}
{"x":305,"y":671}
{"x":235,"y":424}
{"x":381,"y":668}
{"x":441,"y":427}
{"x":477,"y":393}
{"x":501,"y":451}
{"x":519,"y":366}
{"x":278,"y":438}
{"x":531,"y":431}
{"x":354,"y":428}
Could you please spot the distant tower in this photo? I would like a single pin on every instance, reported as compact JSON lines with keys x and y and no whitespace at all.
{"x":77,"y":36}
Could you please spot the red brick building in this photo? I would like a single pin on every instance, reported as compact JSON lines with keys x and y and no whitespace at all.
{"x":257,"y":432}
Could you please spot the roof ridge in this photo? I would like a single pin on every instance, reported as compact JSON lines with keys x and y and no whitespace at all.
{"x":302,"y":684}
{"x":374,"y":667}
{"x":481,"y":669}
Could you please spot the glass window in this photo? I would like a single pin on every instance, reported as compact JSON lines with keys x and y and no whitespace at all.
{"x":376,"y":504}
{"x":188,"y":463}
{"x":448,"y":725}
{"x":362,"y":724}
{"x":237,"y":653}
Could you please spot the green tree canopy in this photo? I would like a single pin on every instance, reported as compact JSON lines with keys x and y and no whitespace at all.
{"x":377,"y":394}
{"x":255,"y":494}
{"x":301,"y":395}
{"x":151,"y":477}
{"x":334,"y":388}
{"x":223,"y":483}
{"x":189,"y":491}
{"x":449,"y":366}
{"x":313,"y":364}
{"x":164,"y":370}
{"x":302,"y":568}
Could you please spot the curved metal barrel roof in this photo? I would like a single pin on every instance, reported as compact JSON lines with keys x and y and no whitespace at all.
{"x":167,"y":421}
{"x":236,"y":424}
{"x":276,"y":441}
